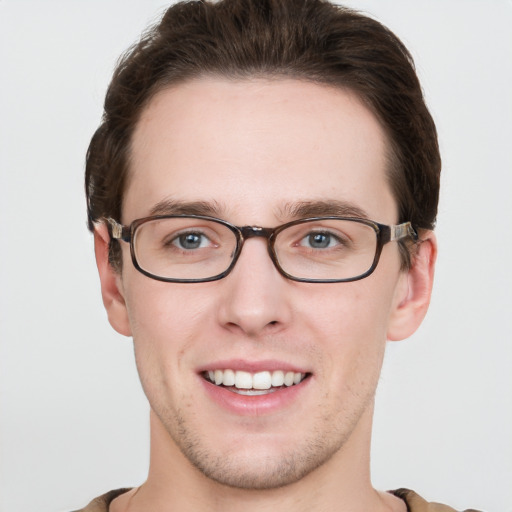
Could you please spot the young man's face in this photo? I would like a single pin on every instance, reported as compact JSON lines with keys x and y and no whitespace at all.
{"x":253,"y":151}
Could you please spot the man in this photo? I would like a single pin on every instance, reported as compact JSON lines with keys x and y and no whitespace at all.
{"x":262,"y":192}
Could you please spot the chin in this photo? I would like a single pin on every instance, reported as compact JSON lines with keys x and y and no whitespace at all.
{"x":259,"y":463}
{"x":263,"y":473}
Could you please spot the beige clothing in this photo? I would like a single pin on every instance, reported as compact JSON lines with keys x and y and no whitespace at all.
{"x":414,"y":502}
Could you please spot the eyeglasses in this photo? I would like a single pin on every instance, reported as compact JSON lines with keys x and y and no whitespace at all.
{"x":195,"y":248}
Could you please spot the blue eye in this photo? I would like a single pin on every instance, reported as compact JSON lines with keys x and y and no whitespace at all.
{"x":190,"y":241}
{"x":320,"y":240}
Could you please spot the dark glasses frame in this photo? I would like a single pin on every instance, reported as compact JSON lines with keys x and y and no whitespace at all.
{"x":384,"y":234}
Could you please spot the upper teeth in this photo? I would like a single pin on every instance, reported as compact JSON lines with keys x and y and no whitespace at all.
{"x":259,"y":380}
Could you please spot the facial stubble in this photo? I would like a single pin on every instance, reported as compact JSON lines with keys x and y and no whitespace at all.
{"x":233,"y":469}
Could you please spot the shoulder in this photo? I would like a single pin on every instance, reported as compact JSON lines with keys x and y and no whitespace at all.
{"x":101,"y":503}
{"x":415,"y":503}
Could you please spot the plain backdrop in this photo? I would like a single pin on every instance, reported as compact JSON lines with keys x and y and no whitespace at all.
{"x":74,"y":421}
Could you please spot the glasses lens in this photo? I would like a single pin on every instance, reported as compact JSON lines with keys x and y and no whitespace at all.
{"x":184,"y":248}
{"x":326,"y":249}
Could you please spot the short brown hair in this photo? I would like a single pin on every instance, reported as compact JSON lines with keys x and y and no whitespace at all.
{"x":304,"y":39}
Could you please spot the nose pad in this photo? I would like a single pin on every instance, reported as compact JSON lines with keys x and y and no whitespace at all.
{"x":255,"y":295}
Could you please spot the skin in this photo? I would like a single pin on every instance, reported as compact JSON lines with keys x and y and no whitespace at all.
{"x":248,"y":148}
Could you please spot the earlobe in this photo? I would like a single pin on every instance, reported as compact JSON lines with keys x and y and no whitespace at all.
{"x":111,"y":288}
{"x":413,"y":292}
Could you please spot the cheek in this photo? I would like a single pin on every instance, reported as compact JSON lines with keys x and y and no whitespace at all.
{"x":163,"y":312}
{"x":166,"y":320}
{"x":351,"y":326}
{"x":353,"y":311}
{"x":165,"y":327}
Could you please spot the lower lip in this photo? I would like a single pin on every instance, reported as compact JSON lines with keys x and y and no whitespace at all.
{"x":254,"y":405}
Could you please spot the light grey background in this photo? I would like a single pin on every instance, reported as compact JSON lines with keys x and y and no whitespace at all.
{"x":74,"y":421}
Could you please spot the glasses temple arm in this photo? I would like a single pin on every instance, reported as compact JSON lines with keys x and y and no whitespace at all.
{"x":118,"y":231}
{"x":402,"y":231}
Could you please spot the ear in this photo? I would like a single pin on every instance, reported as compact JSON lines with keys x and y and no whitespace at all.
{"x":111,"y":283}
{"x":412,"y":296}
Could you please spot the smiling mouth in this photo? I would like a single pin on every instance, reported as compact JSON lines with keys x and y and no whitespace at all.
{"x":259,"y":383}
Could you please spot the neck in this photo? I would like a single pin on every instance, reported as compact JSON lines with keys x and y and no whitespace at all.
{"x":341,"y":484}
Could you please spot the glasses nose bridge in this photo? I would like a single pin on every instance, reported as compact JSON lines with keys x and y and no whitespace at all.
{"x":257,"y":232}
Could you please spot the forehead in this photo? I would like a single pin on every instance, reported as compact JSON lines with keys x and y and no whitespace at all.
{"x":252,"y":147}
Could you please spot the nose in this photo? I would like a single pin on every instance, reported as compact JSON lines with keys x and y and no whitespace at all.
{"x":256,"y":297}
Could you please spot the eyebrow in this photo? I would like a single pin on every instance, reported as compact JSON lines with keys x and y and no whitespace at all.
{"x":326,"y":208}
{"x":176,"y":207}
{"x":289,"y":211}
